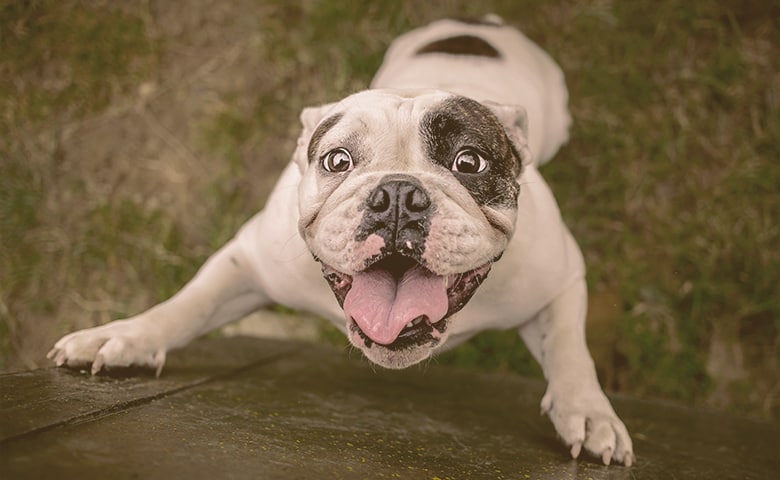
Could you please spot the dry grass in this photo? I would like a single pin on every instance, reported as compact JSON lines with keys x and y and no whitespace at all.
{"x":115,"y":121}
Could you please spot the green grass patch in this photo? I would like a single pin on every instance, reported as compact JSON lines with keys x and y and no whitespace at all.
{"x":146,"y":246}
{"x":60,"y":61}
{"x":670,"y":184}
{"x":66,"y":58}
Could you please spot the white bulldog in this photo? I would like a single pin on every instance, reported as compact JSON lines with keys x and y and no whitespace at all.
{"x":416,"y":200}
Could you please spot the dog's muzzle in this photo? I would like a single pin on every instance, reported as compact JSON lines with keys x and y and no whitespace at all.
{"x":395,"y":302}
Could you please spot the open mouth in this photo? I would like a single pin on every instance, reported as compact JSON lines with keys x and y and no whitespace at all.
{"x":398,"y":303}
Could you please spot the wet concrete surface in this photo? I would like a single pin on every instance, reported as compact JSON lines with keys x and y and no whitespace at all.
{"x":250,"y":408}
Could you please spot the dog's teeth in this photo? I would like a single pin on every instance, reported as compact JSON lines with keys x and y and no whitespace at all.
{"x":416,"y":321}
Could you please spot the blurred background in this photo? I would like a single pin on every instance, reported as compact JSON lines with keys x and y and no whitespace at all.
{"x":136,"y":137}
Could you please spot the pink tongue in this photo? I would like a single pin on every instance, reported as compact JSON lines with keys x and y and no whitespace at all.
{"x":382,"y":307}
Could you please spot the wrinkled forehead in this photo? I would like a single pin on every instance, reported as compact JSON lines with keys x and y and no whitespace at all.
{"x":411,"y":101}
{"x":380,"y":107}
{"x":430,"y":114}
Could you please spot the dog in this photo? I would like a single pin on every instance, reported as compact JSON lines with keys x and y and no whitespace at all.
{"x":413,"y":216}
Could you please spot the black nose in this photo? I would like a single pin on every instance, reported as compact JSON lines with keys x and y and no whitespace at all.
{"x":398,"y":198}
{"x":398,"y":210}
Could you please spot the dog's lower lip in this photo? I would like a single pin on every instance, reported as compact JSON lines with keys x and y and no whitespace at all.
{"x":419,"y":334}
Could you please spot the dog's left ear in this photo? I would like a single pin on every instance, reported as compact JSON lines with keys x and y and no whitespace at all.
{"x":310,"y":118}
{"x":514,"y":118}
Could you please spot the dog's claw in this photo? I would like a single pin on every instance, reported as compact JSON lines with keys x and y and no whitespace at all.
{"x":606,"y":457}
{"x":589,"y":425}
{"x":159,"y":360}
{"x":56,"y":356}
{"x":576,"y":449}
{"x":119,"y":344}
{"x":97,"y":364}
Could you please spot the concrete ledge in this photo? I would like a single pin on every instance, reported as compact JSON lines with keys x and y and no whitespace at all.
{"x":249,"y":408}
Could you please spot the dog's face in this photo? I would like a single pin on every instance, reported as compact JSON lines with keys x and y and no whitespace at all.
{"x":406,"y":201}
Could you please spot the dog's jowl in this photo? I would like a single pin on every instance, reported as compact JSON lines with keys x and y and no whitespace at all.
{"x":413,"y":216}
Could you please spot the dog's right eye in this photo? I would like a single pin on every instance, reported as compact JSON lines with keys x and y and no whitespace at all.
{"x":337,"y":160}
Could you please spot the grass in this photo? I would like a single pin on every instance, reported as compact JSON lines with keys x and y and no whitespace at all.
{"x":670,"y":181}
{"x":61,"y":59}
{"x":692,"y":188}
{"x":59,"y":62}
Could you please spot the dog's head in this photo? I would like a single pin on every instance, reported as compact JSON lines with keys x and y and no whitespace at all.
{"x":406,"y":200}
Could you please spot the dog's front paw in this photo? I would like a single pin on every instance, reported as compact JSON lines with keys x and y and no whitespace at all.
{"x":586,"y":419}
{"x":117,"y":344}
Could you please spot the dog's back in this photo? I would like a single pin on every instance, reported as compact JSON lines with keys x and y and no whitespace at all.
{"x":472,"y":59}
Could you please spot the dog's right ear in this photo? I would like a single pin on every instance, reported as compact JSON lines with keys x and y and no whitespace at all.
{"x":310,"y":119}
{"x":514,"y":118}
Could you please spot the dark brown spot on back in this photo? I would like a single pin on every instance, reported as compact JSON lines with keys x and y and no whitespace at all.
{"x":461,"y":45}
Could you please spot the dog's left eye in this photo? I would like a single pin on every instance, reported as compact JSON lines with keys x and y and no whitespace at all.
{"x":338,"y":160}
{"x":469,"y":161}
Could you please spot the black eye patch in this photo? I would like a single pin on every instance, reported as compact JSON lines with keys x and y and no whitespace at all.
{"x":460,"y":122}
